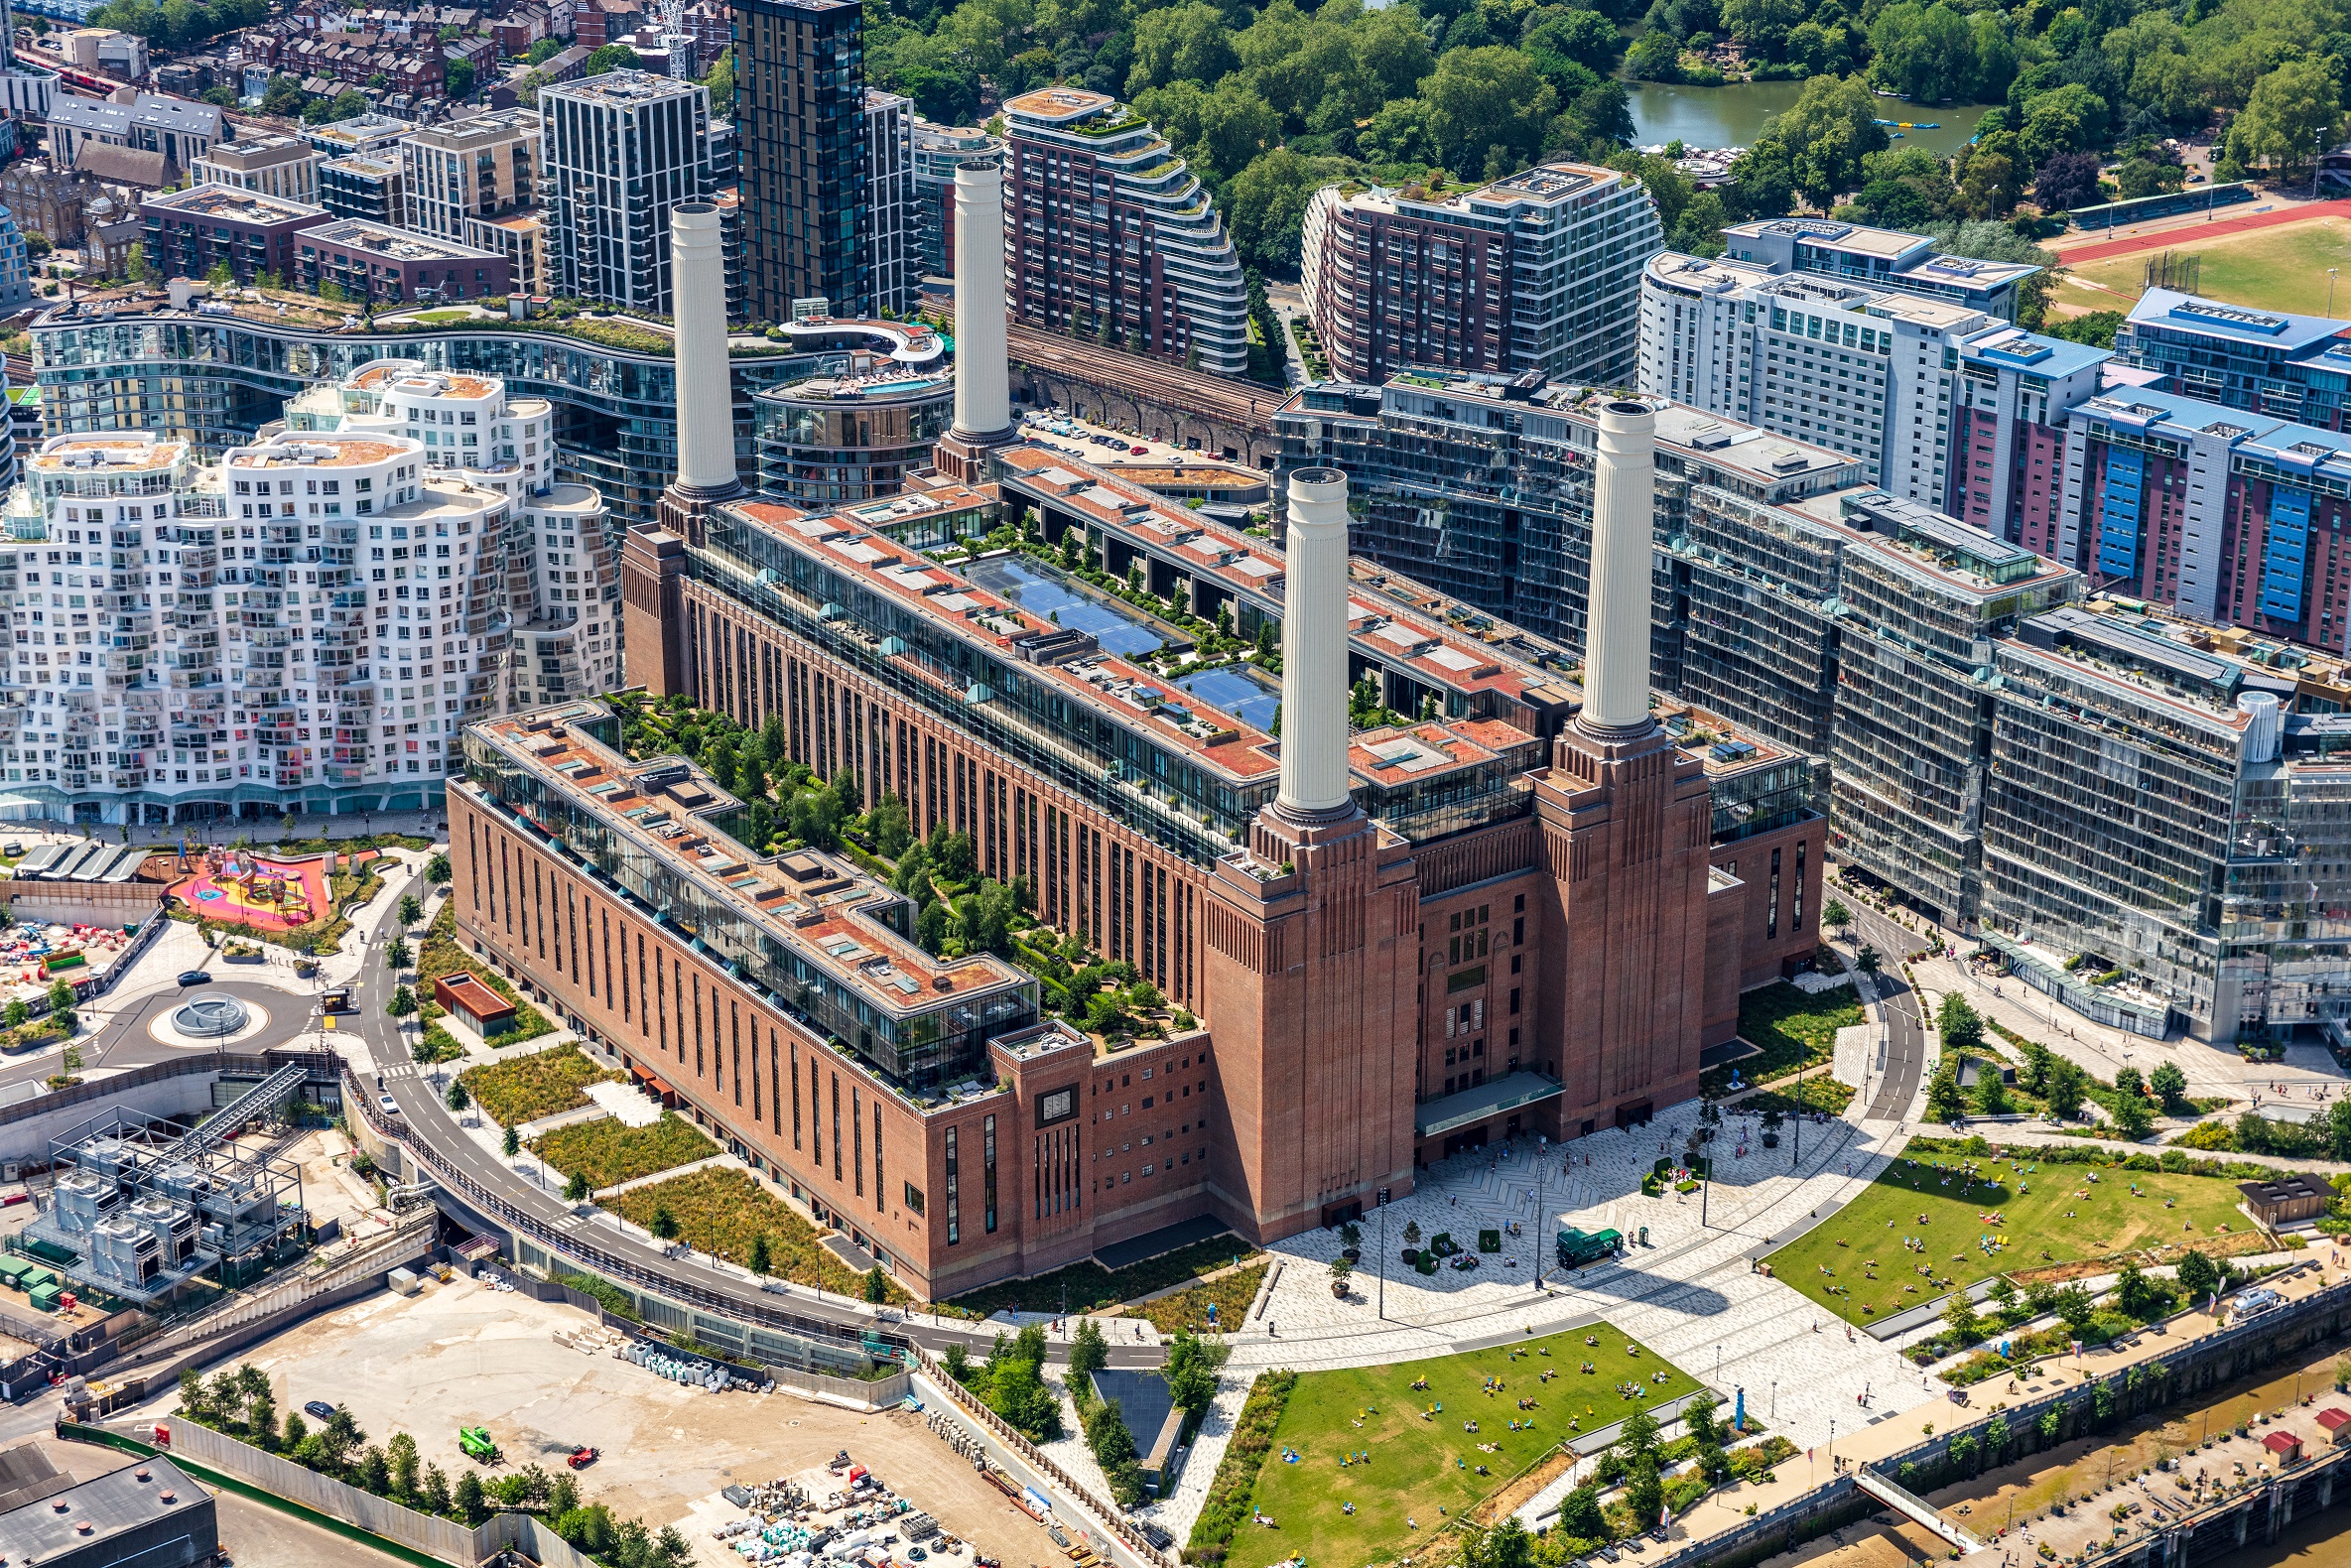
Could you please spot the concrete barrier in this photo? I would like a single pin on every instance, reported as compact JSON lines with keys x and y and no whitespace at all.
{"x":439,"y":1538}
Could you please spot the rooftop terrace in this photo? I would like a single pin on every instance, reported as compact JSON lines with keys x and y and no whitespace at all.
{"x":804,"y":925}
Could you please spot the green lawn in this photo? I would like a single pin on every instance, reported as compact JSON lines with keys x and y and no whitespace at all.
{"x":2276,"y":269}
{"x":1425,"y":1468}
{"x":2046,"y":1223}
{"x":1791,"y":1029}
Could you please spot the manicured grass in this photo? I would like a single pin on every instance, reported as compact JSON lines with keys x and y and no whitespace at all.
{"x":526,"y":1088}
{"x":721,"y":1212}
{"x":2272,"y":269}
{"x":1422,"y":1464}
{"x":2046,"y":1223}
{"x":1088,"y":1286}
{"x":1790,"y":1027}
{"x":608,"y":1153}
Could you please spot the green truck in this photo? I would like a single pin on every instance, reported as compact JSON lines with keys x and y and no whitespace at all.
{"x":1578,"y":1248}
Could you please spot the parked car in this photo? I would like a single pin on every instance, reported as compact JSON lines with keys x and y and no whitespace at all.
{"x":1137,"y":451}
{"x":387,"y":1105}
{"x":194,"y":977}
{"x":319,"y":1409}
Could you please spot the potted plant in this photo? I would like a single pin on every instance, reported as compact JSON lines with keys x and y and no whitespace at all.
{"x":1350,"y":1236}
{"x":1411,"y":1242}
{"x":1340,"y":1270}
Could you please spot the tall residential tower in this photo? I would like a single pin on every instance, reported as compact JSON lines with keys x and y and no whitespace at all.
{"x":799,"y":109}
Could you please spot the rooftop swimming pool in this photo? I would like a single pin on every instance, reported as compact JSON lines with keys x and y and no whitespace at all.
{"x":1043,"y":591}
{"x":1246,"y":695}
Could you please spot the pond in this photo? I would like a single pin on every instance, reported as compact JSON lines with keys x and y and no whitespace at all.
{"x":1732,"y":115}
{"x":1042,"y":592}
{"x":1248,"y":696}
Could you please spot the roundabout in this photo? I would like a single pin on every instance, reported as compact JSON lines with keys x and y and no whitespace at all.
{"x":211,"y":1020}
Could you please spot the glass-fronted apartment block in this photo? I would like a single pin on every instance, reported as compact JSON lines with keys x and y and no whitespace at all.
{"x":1922,"y":599}
{"x":1479,"y":487}
{"x":2165,"y":835}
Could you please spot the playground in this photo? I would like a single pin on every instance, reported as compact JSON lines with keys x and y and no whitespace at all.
{"x":238,"y":887}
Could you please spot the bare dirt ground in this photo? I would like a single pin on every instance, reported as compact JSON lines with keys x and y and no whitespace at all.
{"x":462,"y":1355}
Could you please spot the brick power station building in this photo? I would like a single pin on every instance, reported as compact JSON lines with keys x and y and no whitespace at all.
{"x":1528,"y":911}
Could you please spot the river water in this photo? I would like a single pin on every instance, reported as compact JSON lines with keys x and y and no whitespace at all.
{"x":1732,"y":115}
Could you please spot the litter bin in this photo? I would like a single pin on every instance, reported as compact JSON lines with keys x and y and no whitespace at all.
{"x":1644,"y":1236}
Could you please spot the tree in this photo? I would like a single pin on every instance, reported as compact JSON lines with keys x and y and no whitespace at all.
{"x":544,"y":49}
{"x":1089,"y":1352}
{"x":1580,"y":1516}
{"x":719,"y":80}
{"x":610,"y":57}
{"x":1991,"y":1094}
{"x":1959,"y":1316}
{"x":339,"y":1439}
{"x":1187,"y":43}
{"x":664,"y":1225}
{"x":471,"y":1507}
{"x":397,"y":953}
{"x":2034,"y":1076}
{"x":1488,"y":109}
{"x":435,"y":1491}
{"x":2075,"y":1305}
{"x":2065,"y":1085}
{"x":1644,"y":1492}
{"x":762,"y":1260}
{"x":511,"y":1143}
{"x":2338,"y":1130}
{"x":2294,"y":113}
{"x":2199,"y":1276}
{"x":1587,"y":38}
{"x":1266,"y":204}
{"x":578,"y":1188}
{"x":437,"y":868}
{"x":2133,"y":1116}
{"x":890,"y":827}
{"x":60,"y":996}
{"x":294,"y":1434}
{"x":2170,"y":1087}
{"x":411,"y":910}
{"x":877,"y":1288}
{"x":1639,"y":1436}
{"x":1943,"y":1103}
{"x":458,"y":1096}
{"x":1824,"y":137}
{"x":1961,"y":1026}
{"x":1867,"y":961}
{"x":1114,"y":1448}
{"x":957,"y":1361}
{"x":1835,"y":915}
{"x":375,"y":1472}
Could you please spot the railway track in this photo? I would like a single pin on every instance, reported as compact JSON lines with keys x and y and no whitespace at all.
{"x":1211,"y":397}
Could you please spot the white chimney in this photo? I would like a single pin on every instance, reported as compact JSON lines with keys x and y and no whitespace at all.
{"x":982,"y":391}
{"x":1617,"y":648}
{"x":706,"y":389}
{"x":1314,"y":647}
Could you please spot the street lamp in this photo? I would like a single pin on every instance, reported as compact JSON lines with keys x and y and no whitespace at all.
{"x":2331,"y":292}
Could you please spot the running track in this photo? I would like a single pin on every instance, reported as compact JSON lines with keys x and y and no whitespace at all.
{"x":2197,"y":233}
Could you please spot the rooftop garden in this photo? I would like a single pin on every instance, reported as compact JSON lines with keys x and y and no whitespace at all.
{"x":959,"y":911}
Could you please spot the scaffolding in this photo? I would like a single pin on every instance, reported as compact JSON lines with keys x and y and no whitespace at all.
{"x":140,"y":1208}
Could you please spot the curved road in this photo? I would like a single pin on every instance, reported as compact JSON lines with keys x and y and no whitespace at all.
{"x":733,"y":1294}
{"x":1906,"y":1030}
{"x":123,"y":1041}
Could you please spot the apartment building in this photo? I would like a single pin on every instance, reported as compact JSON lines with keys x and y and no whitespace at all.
{"x":799,"y":105}
{"x":620,"y":152}
{"x":1864,"y":371}
{"x":285,"y":167}
{"x":1108,"y":236}
{"x":2291,"y":367}
{"x":2009,"y":413}
{"x":179,"y":130}
{"x":1882,"y":259}
{"x":190,"y":231}
{"x":889,"y":186}
{"x":520,"y":237}
{"x":2227,"y":516}
{"x":1922,"y":599}
{"x":1540,"y":272}
{"x":560,"y":592}
{"x":2212,"y":895}
{"x":862,"y":421}
{"x":361,"y":133}
{"x":369,"y":186}
{"x":1480,"y":487}
{"x":474,"y":167}
{"x":369,"y":262}
{"x":940,"y":150}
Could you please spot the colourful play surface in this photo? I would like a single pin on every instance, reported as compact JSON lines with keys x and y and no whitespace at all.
{"x":266,"y":894}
